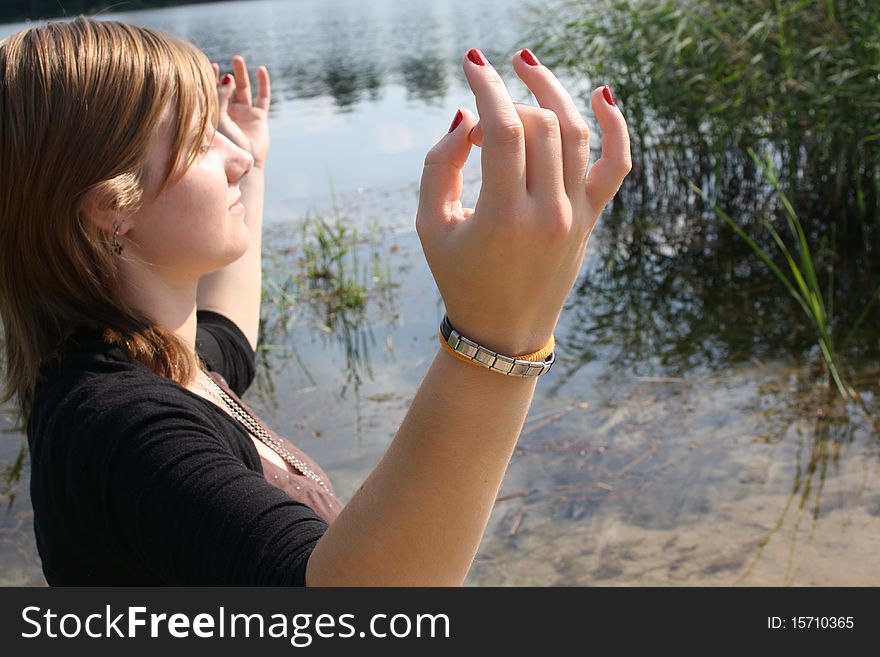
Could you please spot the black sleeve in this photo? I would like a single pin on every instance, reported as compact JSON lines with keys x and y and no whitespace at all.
{"x":189,"y":510}
{"x":225,"y":349}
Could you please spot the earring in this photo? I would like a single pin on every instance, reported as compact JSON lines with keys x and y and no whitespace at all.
{"x":117,"y":245}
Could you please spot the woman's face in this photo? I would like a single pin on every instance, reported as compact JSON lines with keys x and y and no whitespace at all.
{"x":196,"y":225}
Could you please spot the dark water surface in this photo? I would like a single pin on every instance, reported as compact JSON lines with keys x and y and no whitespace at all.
{"x":680,"y":440}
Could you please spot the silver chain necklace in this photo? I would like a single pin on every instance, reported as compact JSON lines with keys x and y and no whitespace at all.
{"x":250,"y":423}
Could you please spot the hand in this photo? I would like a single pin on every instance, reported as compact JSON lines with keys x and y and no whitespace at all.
{"x":243,"y":121}
{"x":505,"y":268}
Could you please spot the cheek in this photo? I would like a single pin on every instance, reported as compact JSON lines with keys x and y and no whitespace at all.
{"x":201,"y":204}
{"x":194,"y":199}
{"x":189,"y":227}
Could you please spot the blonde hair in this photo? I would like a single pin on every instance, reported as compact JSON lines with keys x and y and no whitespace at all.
{"x":79,"y":104}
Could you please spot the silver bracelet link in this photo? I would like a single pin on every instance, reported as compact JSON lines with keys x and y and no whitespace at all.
{"x":491,"y":359}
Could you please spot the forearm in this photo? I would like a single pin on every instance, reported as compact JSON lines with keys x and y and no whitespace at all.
{"x":419,"y":517}
{"x":235,"y":290}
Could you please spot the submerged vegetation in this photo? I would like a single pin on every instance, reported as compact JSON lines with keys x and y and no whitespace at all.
{"x":705,"y":86}
{"x":332,"y":272}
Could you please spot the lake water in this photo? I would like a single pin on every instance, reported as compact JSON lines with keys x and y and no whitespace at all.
{"x":674,"y":443}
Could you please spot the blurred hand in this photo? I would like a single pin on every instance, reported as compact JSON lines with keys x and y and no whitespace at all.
{"x":505,"y":268}
{"x":245,"y":121}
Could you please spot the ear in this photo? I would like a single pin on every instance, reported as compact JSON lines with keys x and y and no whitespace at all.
{"x":110,"y":205}
{"x":101,"y":218}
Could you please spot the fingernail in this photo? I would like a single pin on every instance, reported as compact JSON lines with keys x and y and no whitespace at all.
{"x":477,"y":57}
{"x":226,"y":79}
{"x":606,"y":92}
{"x":458,"y":117}
{"x":529,"y":57}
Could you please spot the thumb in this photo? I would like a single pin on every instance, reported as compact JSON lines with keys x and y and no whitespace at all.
{"x":607,"y":174}
{"x":440,"y":189}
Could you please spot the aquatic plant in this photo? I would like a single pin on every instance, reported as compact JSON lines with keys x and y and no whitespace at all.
{"x":330,"y":266}
{"x":704,"y":86}
{"x":802,"y":282}
{"x":702,"y":81}
{"x":331,"y":272}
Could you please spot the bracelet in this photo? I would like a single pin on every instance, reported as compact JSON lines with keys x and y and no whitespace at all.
{"x":534,"y":364}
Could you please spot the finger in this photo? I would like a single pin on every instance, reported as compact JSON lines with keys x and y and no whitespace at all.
{"x":543,"y":151}
{"x":504,"y":154}
{"x":224,"y":93}
{"x":544,"y":147}
{"x":216,"y":67}
{"x":476,"y":135}
{"x":551,"y":95}
{"x":264,"y":90}
{"x":607,"y":174}
{"x":242,"y":81}
{"x":440,"y":187}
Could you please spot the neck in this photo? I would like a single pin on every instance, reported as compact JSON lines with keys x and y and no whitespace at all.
{"x":169,"y":303}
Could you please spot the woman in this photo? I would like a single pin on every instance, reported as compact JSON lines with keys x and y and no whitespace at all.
{"x":129,"y":292}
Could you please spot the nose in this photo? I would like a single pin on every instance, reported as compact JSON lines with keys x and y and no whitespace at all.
{"x":238,"y":161}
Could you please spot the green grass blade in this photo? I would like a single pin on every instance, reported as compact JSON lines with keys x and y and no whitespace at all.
{"x":794,"y":225}
{"x":759,"y":251}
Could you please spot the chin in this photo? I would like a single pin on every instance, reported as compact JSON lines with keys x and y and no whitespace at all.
{"x":233,"y":254}
{"x":234,"y":250}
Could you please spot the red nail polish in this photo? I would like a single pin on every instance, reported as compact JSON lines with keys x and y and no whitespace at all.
{"x":458,"y":117}
{"x":477,"y":57}
{"x":529,"y":57}
{"x":227,"y":79}
{"x":606,"y":92}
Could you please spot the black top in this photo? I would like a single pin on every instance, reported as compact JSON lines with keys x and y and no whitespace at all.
{"x":137,"y":481}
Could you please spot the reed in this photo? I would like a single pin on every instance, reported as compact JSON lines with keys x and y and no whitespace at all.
{"x":705,"y":85}
{"x":701,"y":80}
{"x":801,"y":281}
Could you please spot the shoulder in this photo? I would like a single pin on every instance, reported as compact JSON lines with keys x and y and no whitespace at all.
{"x":95,"y":376}
{"x":134,"y":479}
{"x":100,"y":399}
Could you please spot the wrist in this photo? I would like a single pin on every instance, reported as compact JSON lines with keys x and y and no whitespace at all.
{"x":502,"y":338}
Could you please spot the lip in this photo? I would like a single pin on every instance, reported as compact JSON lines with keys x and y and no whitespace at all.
{"x":237,"y":206}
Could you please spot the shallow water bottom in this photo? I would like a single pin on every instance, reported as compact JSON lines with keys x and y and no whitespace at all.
{"x":651,"y":499}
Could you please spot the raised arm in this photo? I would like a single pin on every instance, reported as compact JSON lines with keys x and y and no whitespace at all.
{"x":504,"y":270}
{"x":234,"y":291}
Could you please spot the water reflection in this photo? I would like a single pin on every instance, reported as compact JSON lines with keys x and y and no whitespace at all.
{"x":346,"y":80}
{"x":346,"y":49}
{"x":361,"y":90}
{"x":662,"y":307}
{"x":673,"y":291}
{"x":825,"y":430}
{"x":425,"y":77}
